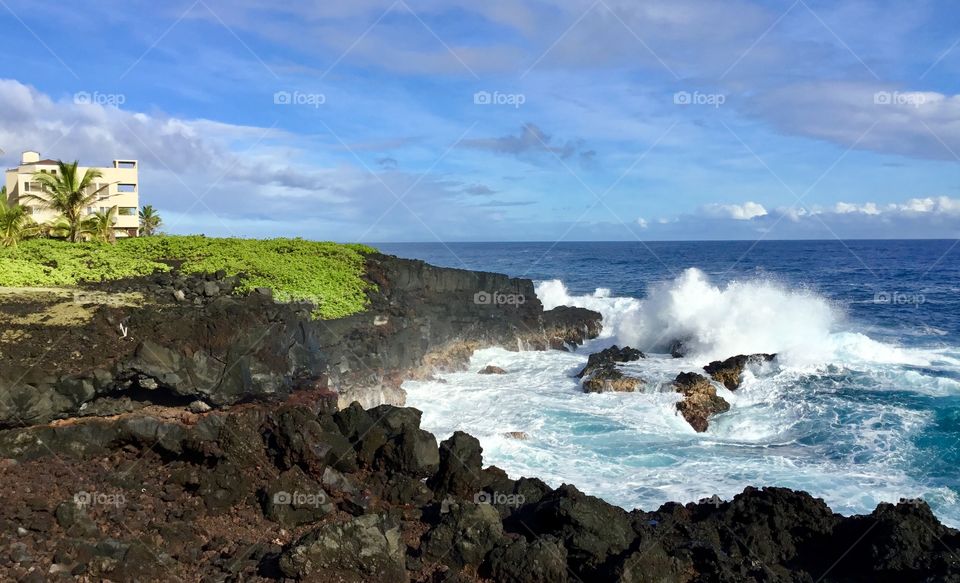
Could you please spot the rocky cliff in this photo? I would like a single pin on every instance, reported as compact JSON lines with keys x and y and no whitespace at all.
{"x":173,"y":340}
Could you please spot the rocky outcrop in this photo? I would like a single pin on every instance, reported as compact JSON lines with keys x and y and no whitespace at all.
{"x":607,"y":356}
{"x":729,"y":372}
{"x":601,"y":373}
{"x":254,"y":493}
{"x":700,"y":400}
{"x":221,"y":349}
{"x":491,"y":369}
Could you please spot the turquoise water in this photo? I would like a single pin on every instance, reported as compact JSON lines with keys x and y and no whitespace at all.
{"x":862,"y":406}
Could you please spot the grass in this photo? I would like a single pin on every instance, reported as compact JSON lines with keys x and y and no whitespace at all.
{"x":327,"y":274}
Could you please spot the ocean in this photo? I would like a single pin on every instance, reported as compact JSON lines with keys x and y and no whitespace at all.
{"x":861,"y":406}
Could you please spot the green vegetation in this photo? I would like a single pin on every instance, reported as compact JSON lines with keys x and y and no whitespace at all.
{"x":150,"y":221}
{"x":327,"y":274}
{"x":101,"y":225}
{"x":69,"y":195}
{"x":15,"y":224}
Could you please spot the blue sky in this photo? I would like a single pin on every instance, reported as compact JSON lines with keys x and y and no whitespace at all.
{"x":607,"y":120}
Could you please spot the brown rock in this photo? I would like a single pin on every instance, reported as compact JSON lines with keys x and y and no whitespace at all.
{"x":730,"y":370}
{"x":492,"y":369}
{"x":700,"y":400}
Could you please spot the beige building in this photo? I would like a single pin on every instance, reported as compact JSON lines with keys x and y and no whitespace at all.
{"x":122,"y":189}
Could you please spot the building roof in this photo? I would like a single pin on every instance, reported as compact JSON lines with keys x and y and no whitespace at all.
{"x":42,"y":162}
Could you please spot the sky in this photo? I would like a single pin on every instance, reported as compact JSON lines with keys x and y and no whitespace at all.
{"x":430,"y":120}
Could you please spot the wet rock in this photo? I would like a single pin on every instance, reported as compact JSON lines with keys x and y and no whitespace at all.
{"x":609,"y":356}
{"x":363,"y":549}
{"x":465,"y":535}
{"x":700,"y":400}
{"x":544,"y":560}
{"x":519,"y":435}
{"x":678,"y":348}
{"x":607,"y":378}
{"x":491,"y":369}
{"x":729,"y":371}
{"x":461,"y":462}
{"x":568,"y":325}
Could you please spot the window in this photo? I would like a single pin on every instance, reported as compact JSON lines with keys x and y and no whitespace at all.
{"x":126,"y":188}
{"x":127,"y":211}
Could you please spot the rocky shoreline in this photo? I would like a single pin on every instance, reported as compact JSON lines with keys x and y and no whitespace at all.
{"x":179,"y":432}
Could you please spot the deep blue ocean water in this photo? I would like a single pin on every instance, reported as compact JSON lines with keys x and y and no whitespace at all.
{"x":863,"y":405}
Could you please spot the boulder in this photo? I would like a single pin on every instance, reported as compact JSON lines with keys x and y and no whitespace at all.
{"x":465,"y":535}
{"x":491,"y":369}
{"x":544,"y":560}
{"x":609,"y":356}
{"x":364,"y":549}
{"x":729,"y":371}
{"x":700,"y":400}
{"x":592,"y":531}
{"x":608,"y":378}
{"x":461,"y":463}
{"x":293,"y":499}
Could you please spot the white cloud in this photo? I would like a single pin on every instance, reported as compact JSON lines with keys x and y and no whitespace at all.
{"x":739,"y":212}
{"x":642,"y":222}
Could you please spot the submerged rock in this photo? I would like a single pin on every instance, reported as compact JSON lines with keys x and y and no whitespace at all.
{"x":729,"y":371}
{"x":491,"y":369}
{"x":700,"y":400}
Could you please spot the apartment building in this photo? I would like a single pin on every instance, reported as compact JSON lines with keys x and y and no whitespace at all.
{"x":122,"y":189}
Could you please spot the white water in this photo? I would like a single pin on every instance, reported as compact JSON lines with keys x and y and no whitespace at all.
{"x":799,"y":422}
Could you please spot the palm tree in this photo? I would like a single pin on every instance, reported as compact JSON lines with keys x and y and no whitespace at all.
{"x":100,"y":225}
{"x":15,"y":223}
{"x":150,"y":220}
{"x":67,"y":194}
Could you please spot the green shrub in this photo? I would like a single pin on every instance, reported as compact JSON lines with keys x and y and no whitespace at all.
{"x":327,"y":274}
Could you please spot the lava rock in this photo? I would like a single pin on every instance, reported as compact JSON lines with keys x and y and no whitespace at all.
{"x":465,"y":535}
{"x":461,"y":463}
{"x":544,"y":560}
{"x":700,"y":400}
{"x":609,"y":356}
{"x":363,"y":549}
{"x":729,"y":371}
{"x":491,"y":369}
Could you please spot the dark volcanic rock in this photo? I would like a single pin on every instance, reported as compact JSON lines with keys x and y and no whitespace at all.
{"x":461,"y":463}
{"x":609,"y":356}
{"x":730,"y":370}
{"x":700,"y":400}
{"x":465,"y":535}
{"x":601,"y":373}
{"x":364,"y":549}
{"x":544,"y":560}
{"x":592,"y":530}
{"x":491,"y":369}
